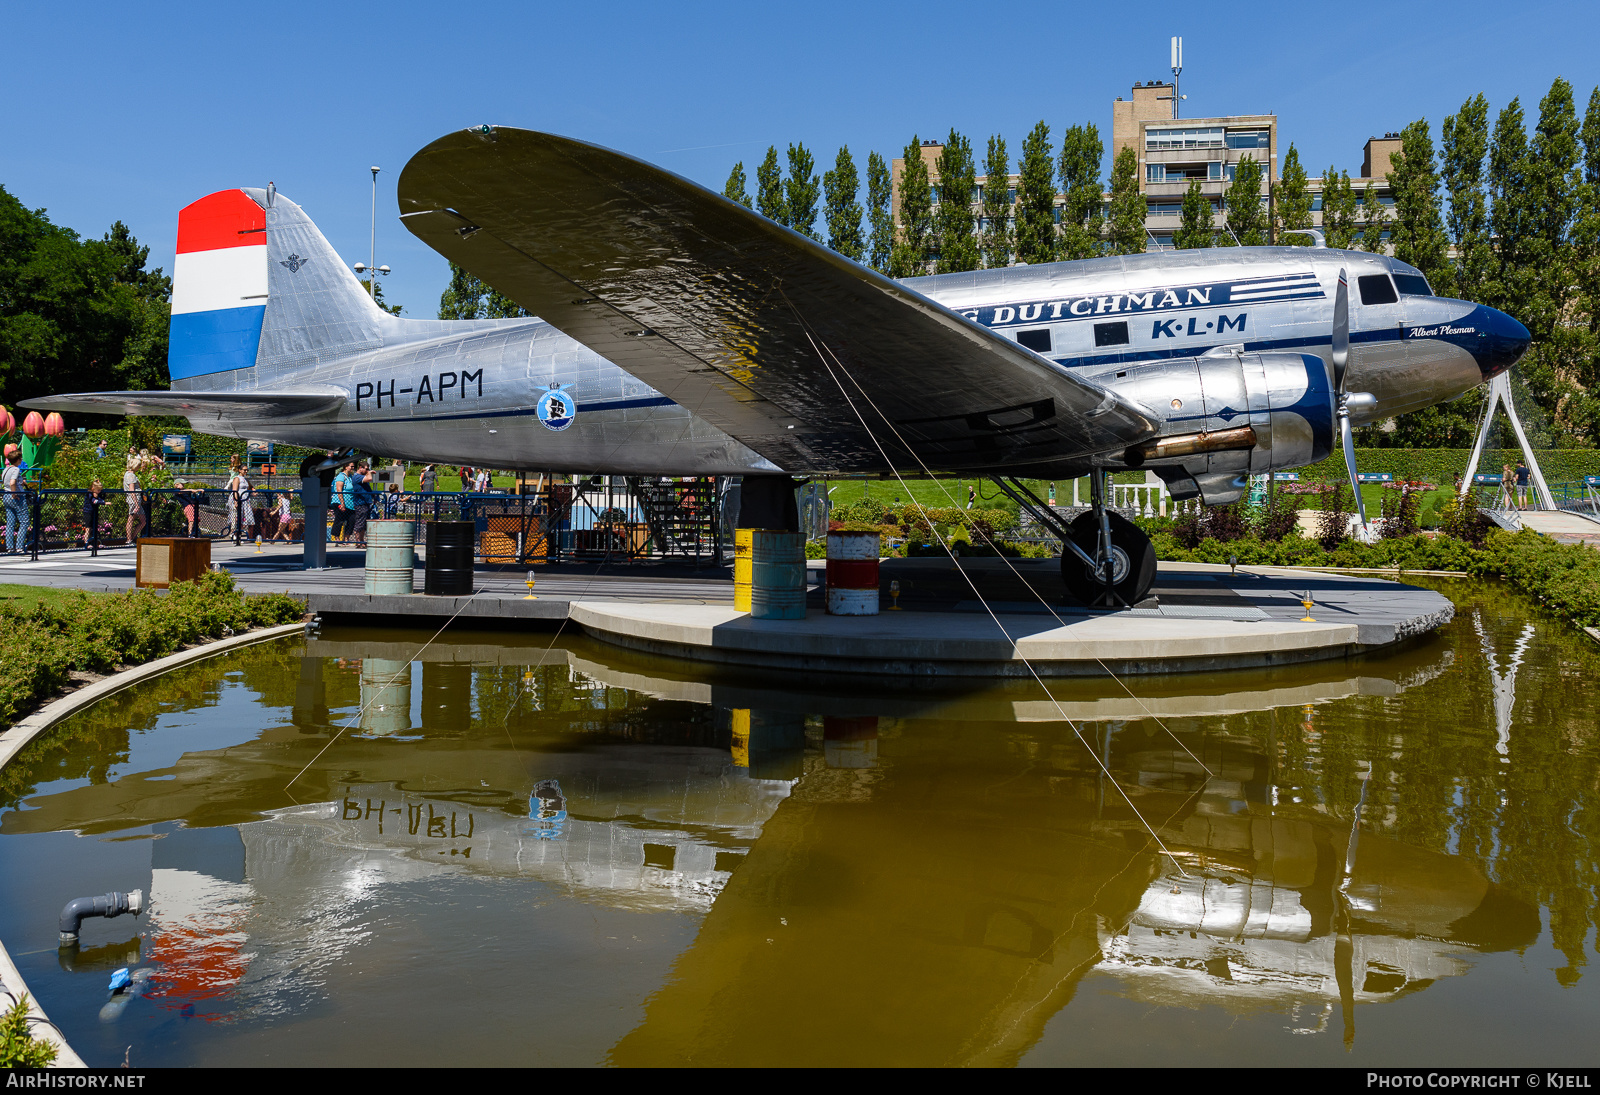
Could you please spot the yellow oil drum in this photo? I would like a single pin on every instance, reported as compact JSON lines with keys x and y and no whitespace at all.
{"x":391,"y":555}
{"x":777,"y":575}
{"x":741,"y":568}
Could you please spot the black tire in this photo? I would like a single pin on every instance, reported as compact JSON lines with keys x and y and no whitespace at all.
{"x":1134,"y":562}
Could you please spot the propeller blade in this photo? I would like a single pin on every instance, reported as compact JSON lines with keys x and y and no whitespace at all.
{"x":1341,"y":330}
{"x":1350,"y":462}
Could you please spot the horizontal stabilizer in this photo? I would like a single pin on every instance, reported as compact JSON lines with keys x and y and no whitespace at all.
{"x":258,"y":405}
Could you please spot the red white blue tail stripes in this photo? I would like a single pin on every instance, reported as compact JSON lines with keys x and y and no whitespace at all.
{"x":219,"y":285}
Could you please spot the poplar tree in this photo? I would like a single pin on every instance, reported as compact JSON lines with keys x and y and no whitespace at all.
{"x":1508,"y":213}
{"x":770,"y":202}
{"x":958,"y":247}
{"x":1246,"y":220}
{"x":1128,"y":206}
{"x":880,"y":212}
{"x":910,"y":256}
{"x":801,"y":190}
{"x":734,"y":189}
{"x":1294,"y":201}
{"x":1418,"y":230}
{"x":1463,"y":145}
{"x":1339,"y":220}
{"x":1036,"y":199}
{"x":997,"y":205}
{"x":840,"y":188}
{"x":469,"y":297}
{"x":1195,"y":228}
{"x":1591,"y":140}
{"x":1081,"y":227}
{"x":1374,"y":220}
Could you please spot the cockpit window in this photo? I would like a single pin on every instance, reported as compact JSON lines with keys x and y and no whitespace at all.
{"x":1376,"y":289}
{"x":1412,"y":285}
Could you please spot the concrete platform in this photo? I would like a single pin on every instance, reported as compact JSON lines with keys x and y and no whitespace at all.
{"x":1198,"y":617}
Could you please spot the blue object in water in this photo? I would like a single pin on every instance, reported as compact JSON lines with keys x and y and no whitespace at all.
{"x":120,"y":979}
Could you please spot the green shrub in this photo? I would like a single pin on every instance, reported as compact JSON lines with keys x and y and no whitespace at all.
{"x":41,"y":646}
{"x":18,"y":1048}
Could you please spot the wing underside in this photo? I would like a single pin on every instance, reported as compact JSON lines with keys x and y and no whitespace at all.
{"x":263,"y":405}
{"x":814,"y":361}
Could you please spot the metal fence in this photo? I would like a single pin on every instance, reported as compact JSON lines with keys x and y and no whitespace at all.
{"x":599,"y":519}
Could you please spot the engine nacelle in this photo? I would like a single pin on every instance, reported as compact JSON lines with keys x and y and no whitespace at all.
{"x":1229,"y":415}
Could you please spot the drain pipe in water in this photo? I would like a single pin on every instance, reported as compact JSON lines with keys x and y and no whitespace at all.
{"x":112,"y":904}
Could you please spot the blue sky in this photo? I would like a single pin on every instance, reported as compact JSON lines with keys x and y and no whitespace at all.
{"x":131,"y":111}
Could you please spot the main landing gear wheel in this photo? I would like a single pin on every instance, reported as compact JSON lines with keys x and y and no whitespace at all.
{"x":1133,"y":563}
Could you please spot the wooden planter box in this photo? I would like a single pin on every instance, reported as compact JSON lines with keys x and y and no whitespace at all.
{"x":164,"y":560}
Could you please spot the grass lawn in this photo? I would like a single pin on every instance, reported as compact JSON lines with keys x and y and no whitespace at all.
{"x":25,"y":597}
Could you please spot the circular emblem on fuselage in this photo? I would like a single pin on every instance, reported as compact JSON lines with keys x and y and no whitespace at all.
{"x":557,"y":409}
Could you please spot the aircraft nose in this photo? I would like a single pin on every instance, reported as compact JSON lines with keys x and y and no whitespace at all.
{"x":1503,"y":343}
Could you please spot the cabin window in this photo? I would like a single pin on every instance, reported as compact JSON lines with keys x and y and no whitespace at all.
{"x":1376,"y":289}
{"x":1111,"y":334}
{"x":1412,"y":285}
{"x":1037,"y":341}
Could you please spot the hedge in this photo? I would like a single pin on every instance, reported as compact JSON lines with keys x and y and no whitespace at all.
{"x":1563,"y":577}
{"x":41,"y":646}
{"x":1441,"y":466}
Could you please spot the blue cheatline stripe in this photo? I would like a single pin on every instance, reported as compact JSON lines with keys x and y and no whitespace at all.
{"x":1136,"y":357}
{"x":583,"y":408}
{"x":214,"y":342}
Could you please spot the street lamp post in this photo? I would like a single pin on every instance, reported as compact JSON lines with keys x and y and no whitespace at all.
{"x":372,"y":243}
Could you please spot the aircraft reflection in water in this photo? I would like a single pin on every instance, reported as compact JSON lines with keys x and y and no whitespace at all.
{"x":901,"y":880}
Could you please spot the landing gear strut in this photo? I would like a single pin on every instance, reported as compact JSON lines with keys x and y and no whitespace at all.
{"x":1106,"y":560}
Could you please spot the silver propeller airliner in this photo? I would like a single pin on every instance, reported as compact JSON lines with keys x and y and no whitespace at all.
{"x":680,"y":333}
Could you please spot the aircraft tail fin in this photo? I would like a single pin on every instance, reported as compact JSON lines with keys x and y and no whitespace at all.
{"x":258,"y":294}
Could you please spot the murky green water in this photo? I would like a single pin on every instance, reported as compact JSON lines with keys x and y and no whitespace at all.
{"x":521,"y":853}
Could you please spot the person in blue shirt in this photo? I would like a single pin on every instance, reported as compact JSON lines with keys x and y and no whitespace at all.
{"x":344,"y":502}
{"x":363,"y":496}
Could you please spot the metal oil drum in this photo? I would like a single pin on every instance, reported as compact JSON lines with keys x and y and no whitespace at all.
{"x":777,"y":575}
{"x":853,"y":573}
{"x":450,"y":545}
{"x":391,"y":556}
{"x":741,"y":568}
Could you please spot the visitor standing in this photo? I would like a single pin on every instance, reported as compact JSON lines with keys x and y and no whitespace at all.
{"x":92,"y":504}
{"x":1508,"y":478}
{"x":481,"y":482}
{"x":430,"y":477}
{"x":1522,"y":485}
{"x":361,"y":494}
{"x":344,"y":501}
{"x":131,"y":495}
{"x":15,"y":487}
{"x":286,"y":523}
{"x":466,"y":478}
{"x":100,"y":450}
{"x":187,"y":498}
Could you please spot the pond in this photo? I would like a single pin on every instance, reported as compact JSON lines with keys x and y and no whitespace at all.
{"x":505,"y":849}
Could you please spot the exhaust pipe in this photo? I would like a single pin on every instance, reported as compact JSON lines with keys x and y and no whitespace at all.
{"x":109,"y":905}
{"x":1191,"y":444}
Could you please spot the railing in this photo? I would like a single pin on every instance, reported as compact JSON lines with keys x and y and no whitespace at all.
{"x":589,"y":521}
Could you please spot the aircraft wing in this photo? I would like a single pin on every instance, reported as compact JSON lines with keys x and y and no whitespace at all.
{"x":204,"y":406}
{"x":759,"y":330}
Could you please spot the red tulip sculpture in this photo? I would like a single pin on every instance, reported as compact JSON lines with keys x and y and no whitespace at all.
{"x":8,"y":427}
{"x":41,"y":439}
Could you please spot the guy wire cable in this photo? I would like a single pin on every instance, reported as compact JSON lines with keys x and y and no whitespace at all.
{"x":973,"y":586}
{"x":990,"y":541}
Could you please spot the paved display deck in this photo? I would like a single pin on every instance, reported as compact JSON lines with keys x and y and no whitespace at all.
{"x":1198,"y":617}
{"x":1561,"y":526}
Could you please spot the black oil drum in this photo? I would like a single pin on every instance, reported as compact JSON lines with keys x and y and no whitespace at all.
{"x":450,"y":545}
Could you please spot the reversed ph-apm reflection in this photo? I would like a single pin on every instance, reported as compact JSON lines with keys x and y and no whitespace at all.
{"x":876,"y":878}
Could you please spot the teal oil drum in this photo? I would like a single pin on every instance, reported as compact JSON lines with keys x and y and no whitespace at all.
{"x":391,"y":555}
{"x":777,"y":575}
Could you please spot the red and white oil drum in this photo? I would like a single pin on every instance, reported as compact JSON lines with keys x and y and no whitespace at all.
{"x":852,"y":573}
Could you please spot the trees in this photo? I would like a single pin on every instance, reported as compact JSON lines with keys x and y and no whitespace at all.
{"x":734,"y":188}
{"x":1081,"y":228}
{"x":800,"y":192}
{"x":1246,"y":220}
{"x":880,"y":195}
{"x":1195,"y":221}
{"x":1464,"y":143}
{"x":77,"y":314}
{"x":958,"y":247}
{"x":1128,"y":206}
{"x":467,"y":297}
{"x":1036,"y":199}
{"x":376,"y":291}
{"x":1339,"y":220}
{"x":909,"y":258}
{"x":1417,"y":231}
{"x":1374,"y":221}
{"x":770,"y":200}
{"x":840,"y":188}
{"x":1294,"y":201}
{"x":996,"y":239}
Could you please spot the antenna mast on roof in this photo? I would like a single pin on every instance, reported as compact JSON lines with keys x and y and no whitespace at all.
{"x":1177,"y":69}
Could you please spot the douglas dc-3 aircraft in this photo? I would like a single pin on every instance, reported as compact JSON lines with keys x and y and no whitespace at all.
{"x":683,"y":334}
